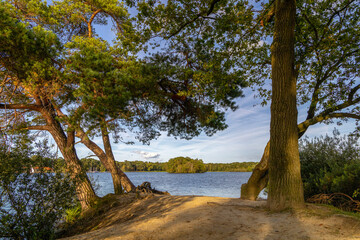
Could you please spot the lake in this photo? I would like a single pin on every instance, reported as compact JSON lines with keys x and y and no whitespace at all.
{"x":217,"y":184}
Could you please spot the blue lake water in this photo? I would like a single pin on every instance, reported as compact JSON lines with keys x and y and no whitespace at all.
{"x":217,"y":184}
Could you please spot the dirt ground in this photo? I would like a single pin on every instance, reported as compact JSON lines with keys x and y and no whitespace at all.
{"x":192,"y":217}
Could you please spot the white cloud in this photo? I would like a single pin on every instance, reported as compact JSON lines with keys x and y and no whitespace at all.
{"x":147,"y":155}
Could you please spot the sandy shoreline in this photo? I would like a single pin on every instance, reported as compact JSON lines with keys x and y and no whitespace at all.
{"x":192,"y":217}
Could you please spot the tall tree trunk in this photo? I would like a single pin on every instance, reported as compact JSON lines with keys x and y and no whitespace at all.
{"x":66,"y":144}
{"x":118,"y":176}
{"x":285,"y":185}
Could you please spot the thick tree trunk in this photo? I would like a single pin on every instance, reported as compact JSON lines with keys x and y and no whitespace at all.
{"x":85,"y":192}
{"x":260,"y":175}
{"x":118,"y":176}
{"x":258,"y":179}
{"x":285,"y":185}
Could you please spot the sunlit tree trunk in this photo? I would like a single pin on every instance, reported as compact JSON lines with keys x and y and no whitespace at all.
{"x":285,"y":185}
{"x":120,"y":180}
{"x":66,"y":144}
{"x":119,"y":177}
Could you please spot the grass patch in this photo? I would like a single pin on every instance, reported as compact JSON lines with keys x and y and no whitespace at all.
{"x":336,"y":210}
{"x":325,"y":211}
{"x":79,"y":222}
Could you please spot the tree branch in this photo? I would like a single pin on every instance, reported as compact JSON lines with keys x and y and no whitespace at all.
{"x":326,"y":27}
{"x":70,"y":138}
{"x":58,"y":111}
{"x":197,"y":16}
{"x":352,"y":92}
{"x":302,"y":127}
{"x":33,"y":107}
{"x":327,"y":114}
{"x":84,"y":139}
{"x":40,"y":128}
{"x":91,"y":20}
{"x":328,"y":73}
{"x":313,"y":27}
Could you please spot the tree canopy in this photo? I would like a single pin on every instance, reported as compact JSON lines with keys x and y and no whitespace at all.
{"x":59,"y":76}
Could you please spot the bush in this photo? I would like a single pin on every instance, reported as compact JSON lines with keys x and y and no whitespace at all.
{"x":330,"y":165}
{"x":32,"y":204}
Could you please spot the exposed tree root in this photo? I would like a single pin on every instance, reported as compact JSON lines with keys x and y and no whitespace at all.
{"x":145,"y":187}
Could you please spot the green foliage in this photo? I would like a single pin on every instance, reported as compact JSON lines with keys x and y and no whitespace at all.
{"x":185,"y":165}
{"x":31,"y":205}
{"x":57,"y":72}
{"x":28,"y":52}
{"x":197,"y":68}
{"x":96,"y":83}
{"x":92,"y":165}
{"x":330,"y":165}
{"x":72,"y":214}
{"x":356,"y":193}
{"x":230,"y":40}
{"x":132,"y":166}
{"x":326,"y":60}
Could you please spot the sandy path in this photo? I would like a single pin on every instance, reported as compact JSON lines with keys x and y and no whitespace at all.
{"x":190,"y":217}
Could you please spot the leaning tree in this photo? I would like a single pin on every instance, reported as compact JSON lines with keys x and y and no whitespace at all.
{"x":57,"y":76}
{"x":146,"y":95}
{"x":30,"y":79}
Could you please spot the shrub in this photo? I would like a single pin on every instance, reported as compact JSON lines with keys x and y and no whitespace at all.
{"x":32,"y":204}
{"x":330,"y":165}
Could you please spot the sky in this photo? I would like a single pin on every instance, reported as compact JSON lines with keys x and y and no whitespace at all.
{"x":244,"y":140}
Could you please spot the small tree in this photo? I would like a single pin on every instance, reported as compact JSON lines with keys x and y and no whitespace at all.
{"x":32,"y":204}
{"x":30,"y":75}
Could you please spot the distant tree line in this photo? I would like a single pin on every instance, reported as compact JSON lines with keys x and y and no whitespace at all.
{"x":231,"y":167}
{"x":174,"y":165}
{"x":140,"y":166}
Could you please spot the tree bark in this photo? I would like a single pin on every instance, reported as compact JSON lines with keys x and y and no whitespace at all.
{"x":118,"y":176}
{"x":85,"y":192}
{"x":66,"y":144}
{"x":285,"y":184}
{"x":258,"y":179}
